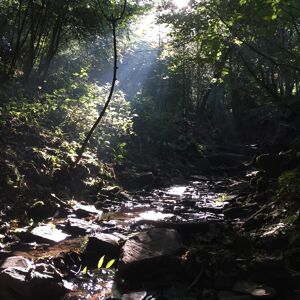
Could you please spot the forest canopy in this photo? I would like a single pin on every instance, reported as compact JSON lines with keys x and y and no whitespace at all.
{"x":149,"y":146}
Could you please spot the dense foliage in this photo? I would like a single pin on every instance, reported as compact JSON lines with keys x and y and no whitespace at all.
{"x":234,"y":56}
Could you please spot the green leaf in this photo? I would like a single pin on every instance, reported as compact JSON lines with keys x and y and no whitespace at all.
{"x":84,"y":271}
{"x":100,"y":262}
{"x":110,"y":263}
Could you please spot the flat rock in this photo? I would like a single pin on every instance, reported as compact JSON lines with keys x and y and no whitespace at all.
{"x":82,"y":210}
{"x":79,"y":226}
{"x":16,"y":262}
{"x":153,"y":243}
{"x":49,"y":233}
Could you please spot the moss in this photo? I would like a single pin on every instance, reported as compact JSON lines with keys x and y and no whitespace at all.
{"x":289,"y":185}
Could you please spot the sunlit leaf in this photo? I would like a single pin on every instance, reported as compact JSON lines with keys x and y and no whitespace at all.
{"x":84,"y":271}
{"x":110,"y":263}
{"x":100,"y":262}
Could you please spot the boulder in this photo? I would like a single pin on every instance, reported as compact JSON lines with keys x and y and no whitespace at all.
{"x":29,"y":284}
{"x":153,"y":243}
{"x":149,"y":260}
{"x":101,"y":244}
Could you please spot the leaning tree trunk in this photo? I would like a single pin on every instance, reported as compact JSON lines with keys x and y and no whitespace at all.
{"x":114,"y":21}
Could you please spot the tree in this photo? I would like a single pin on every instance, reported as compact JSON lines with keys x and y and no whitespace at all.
{"x":114,"y":20}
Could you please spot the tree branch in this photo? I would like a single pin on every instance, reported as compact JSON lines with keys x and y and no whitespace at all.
{"x":114,"y":22}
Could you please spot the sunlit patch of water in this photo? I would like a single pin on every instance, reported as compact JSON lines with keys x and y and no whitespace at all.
{"x":96,"y":284}
{"x":177,"y":190}
{"x":153,"y":216}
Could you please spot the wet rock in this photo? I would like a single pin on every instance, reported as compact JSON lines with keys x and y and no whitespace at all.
{"x":16,"y":262}
{"x":101,"y":244}
{"x":111,"y":190}
{"x":134,"y":296}
{"x":83,"y":211}
{"x":77,"y":226}
{"x":243,"y":187}
{"x":49,"y":233}
{"x":43,"y":234}
{"x":29,"y":284}
{"x":153,"y":243}
{"x":254,"y":289}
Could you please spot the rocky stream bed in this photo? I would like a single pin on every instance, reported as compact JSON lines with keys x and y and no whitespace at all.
{"x":199,"y":239}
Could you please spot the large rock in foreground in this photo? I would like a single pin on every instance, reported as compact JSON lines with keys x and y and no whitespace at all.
{"x":153,"y":243}
{"x":29,"y":284}
{"x":150,"y":260}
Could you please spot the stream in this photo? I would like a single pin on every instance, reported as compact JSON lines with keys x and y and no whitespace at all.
{"x":198,"y":200}
{"x":200,"y":238}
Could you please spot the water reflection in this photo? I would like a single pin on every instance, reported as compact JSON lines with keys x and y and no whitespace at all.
{"x":177,"y":190}
{"x":153,"y":216}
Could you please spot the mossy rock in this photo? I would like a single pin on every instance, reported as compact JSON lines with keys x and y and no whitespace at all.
{"x":270,"y":163}
{"x":41,"y":210}
{"x":289,"y":185}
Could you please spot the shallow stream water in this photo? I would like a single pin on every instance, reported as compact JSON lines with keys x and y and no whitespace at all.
{"x":200,"y":199}
{"x":197,"y":200}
